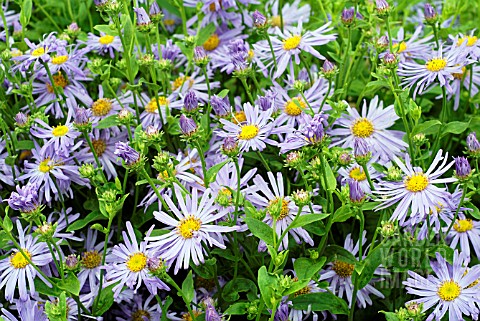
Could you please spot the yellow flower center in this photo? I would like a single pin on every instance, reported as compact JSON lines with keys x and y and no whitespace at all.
{"x":188,"y":225}
{"x":273,"y":207}
{"x":402,"y":46}
{"x":188,"y":317}
{"x":169,"y":22}
{"x":212,"y":42}
{"x":239,"y":117}
{"x":177,"y":83}
{"x":101,"y":107}
{"x":449,"y":291}
{"x":18,"y":261}
{"x":462,"y":226}
{"x":44,"y":166}
{"x":362,"y":128}
{"x":91,"y":259}
{"x":152,"y":106}
{"x":105,"y":40}
{"x":305,"y":290}
{"x":251,"y":54}
{"x":137,"y":262}
{"x":59,"y":131}
{"x":416,"y":182}
{"x":292,"y":42}
{"x":357,"y":174}
{"x":99,"y":146}
{"x":213,"y":6}
{"x":59,"y":81}
{"x":248,"y":132}
{"x":460,"y":74}
{"x":276,"y":21}
{"x":436,"y":64}
{"x":58,"y":60}
{"x":140,"y":315}
{"x":38,"y":52}
{"x":471,"y":40}
{"x":295,"y":106}
{"x":343,"y":269}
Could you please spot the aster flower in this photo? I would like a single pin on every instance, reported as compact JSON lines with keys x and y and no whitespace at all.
{"x":25,"y":199}
{"x":413,"y":48}
{"x":215,"y":11}
{"x":16,"y":271}
{"x":462,"y":80}
{"x":312,"y":132}
{"x":253,"y":134}
{"x":194,"y":82}
{"x":91,"y":260}
{"x":291,"y":45}
{"x":27,"y":310}
{"x":140,"y":309}
{"x":70,"y":60}
{"x":169,"y":53}
{"x":129,"y":265}
{"x":356,"y":173}
{"x":104,"y":106}
{"x":104,"y":45}
{"x":372,"y":125}
{"x":469,"y":43}
{"x":6,"y":171}
{"x":190,"y":229}
{"x":453,"y":289}
{"x":129,"y":155}
{"x":417,"y":192}
{"x":464,"y":231}
{"x":150,"y":114}
{"x":339,"y":275}
{"x":440,"y":67}
{"x":51,"y":169}
{"x":61,"y":137}
{"x":273,"y":199}
{"x":292,"y":13}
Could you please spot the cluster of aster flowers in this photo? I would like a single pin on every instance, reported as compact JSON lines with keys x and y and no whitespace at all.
{"x":259,"y":159}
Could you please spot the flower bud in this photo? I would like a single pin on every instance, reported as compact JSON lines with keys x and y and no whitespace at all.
{"x":345,"y":159}
{"x":473,"y":144}
{"x":187,"y":126}
{"x":394,"y":174}
{"x":82,"y":118}
{"x":25,"y":199}
{"x":301,"y":198}
{"x":430,"y":13}
{"x":200,"y":56}
{"x":21,"y":119}
{"x":462,"y":168}
{"x":72,"y":262}
{"x":155,"y":13}
{"x":420,"y":139}
{"x":230,"y":147}
{"x":361,"y":151}
{"x":129,"y":155}
{"x":190,"y":102}
{"x":357,"y":195}
{"x":87,"y":170}
{"x":259,"y":20}
{"x":382,"y":7}
{"x":144,"y":24}
{"x":348,"y":16}
{"x":390,"y":60}
{"x":221,"y":106}
{"x":383,"y":42}
{"x":414,"y":309}
{"x":293,"y":159}
{"x":387,"y":229}
{"x":125,"y":116}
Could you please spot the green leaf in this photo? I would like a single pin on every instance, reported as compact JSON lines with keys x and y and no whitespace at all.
{"x":108,"y":122}
{"x":205,"y":33}
{"x":188,"y":289}
{"x":166,"y":304}
{"x":128,"y":33}
{"x":213,"y":171}
{"x":42,"y":288}
{"x":296,"y":286}
{"x":223,"y":93}
{"x":234,"y":287}
{"x":454,"y":127}
{"x":371,"y":263}
{"x":105,"y":301}
{"x":320,"y":301}
{"x":24,"y":145}
{"x":26,"y":13}
{"x":57,"y":311}
{"x":342,"y":214}
{"x":445,"y":251}
{"x":475,"y":212}
{"x":335,"y":252}
{"x":70,"y":284}
{"x":106,"y":30}
{"x":93,"y":216}
{"x":267,"y":283}
{"x":237,"y":308}
{"x":331,"y":180}
{"x":206,"y":270}
{"x":390,"y":316}
{"x":428,"y":128}
{"x":159,"y":232}
{"x":306,"y":268}
{"x":260,"y":230}
{"x":306,"y":219}
{"x":7,"y":223}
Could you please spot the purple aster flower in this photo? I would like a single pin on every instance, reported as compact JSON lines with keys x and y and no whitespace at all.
{"x":25,"y":199}
{"x":104,"y":45}
{"x":187,"y":125}
{"x":453,"y":289}
{"x":291,"y":44}
{"x":464,"y":231}
{"x":356,"y":172}
{"x":328,"y":66}
{"x":348,"y":15}
{"x":355,"y":191}
{"x":267,"y":101}
{"x":190,"y":101}
{"x":221,"y":106}
{"x":91,"y":261}
{"x":37,"y":54}
{"x":383,"y":42}
{"x":417,"y":193}
{"x":360,"y":148}
{"x":472,"y":143}
{"x":70,"y":60}
{"x":430,"y":12}
{"x":129,"y":155}
{"x":191,"y":226}
{"x":312,"y":132}
{"x":21,"y":119}
{"x":194,"y":82}
{"x":382,"y":6}
{"x":259,"y":19}
{"x":17,"y":272}
{"x":61,"y":137}
{"x":409,"y":47}
{"x":462,"y":167}
{"x":292,"y":13}
{"x":154,"y":10}
{"x":142,"y":16}
{"x":128,"y":265}
{"x":339,"y":274}
{"x":81,"y":116}
{"x":150,"y":114}
{"x":199,"y":54}
{"x":27,"y":310}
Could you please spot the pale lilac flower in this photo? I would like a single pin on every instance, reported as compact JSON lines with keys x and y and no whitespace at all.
{"x":25,"y":199}
{"x":61,"y":137}
{"x":104,"y":45}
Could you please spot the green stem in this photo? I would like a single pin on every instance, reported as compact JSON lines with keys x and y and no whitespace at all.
{"x":464,"y":192}
{"x":326,"y":95}
{"x":155,"y":189}
{"x":365,"y":170}
{"x":92,"y":149}
{"x":305,"y":64}
{"x":58,"y":264}
{"x":175,"y":285}
{"x":244,"y":82}
{"x":265,"y":164}
{"x":104,"y":255}
{"x":271,"y":50}
{"x":308,"y":104}
{"x":204,"y":164}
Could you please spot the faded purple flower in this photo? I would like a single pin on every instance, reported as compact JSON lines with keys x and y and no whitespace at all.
{"x":129,"y":155}
{"x":25,"y":199}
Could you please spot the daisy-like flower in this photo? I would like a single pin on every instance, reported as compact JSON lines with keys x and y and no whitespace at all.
{"x":294,"y":109}
{"x":27,"y":310}
{"x":279,"y":207}
{"x":454,"y":289}
{"x":195,"y":82}
{"x":104,"y":107}
{"x":356,"y":172}
{"x":215,"y":11}
{"x":91,"y":261}
{"x":470,"y":44}
{"x":191,"y":227}
{"x":372,"y":125}
{"x":143,"y":310}
{"x":6,"y":171}
{"x":129,"y":265}
{"x":71,"y":61}
{"x":291,"y":13}
{"x":413,"y":48}
{"x":464,"y":232}
{"x":17,"y":272}
{"x":61,"y":137}
{"x":417,"y":192}
{"x":339,"y":275}
{"x":150,"y":114}
{"x":104,"y":45}
{"x":312,"y":132}
{"x":253,"y":133}
{"x":440,"y":67}
{"x":103,"y":142}
{"x":291,"y":45}
{"x":463,"y":80}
